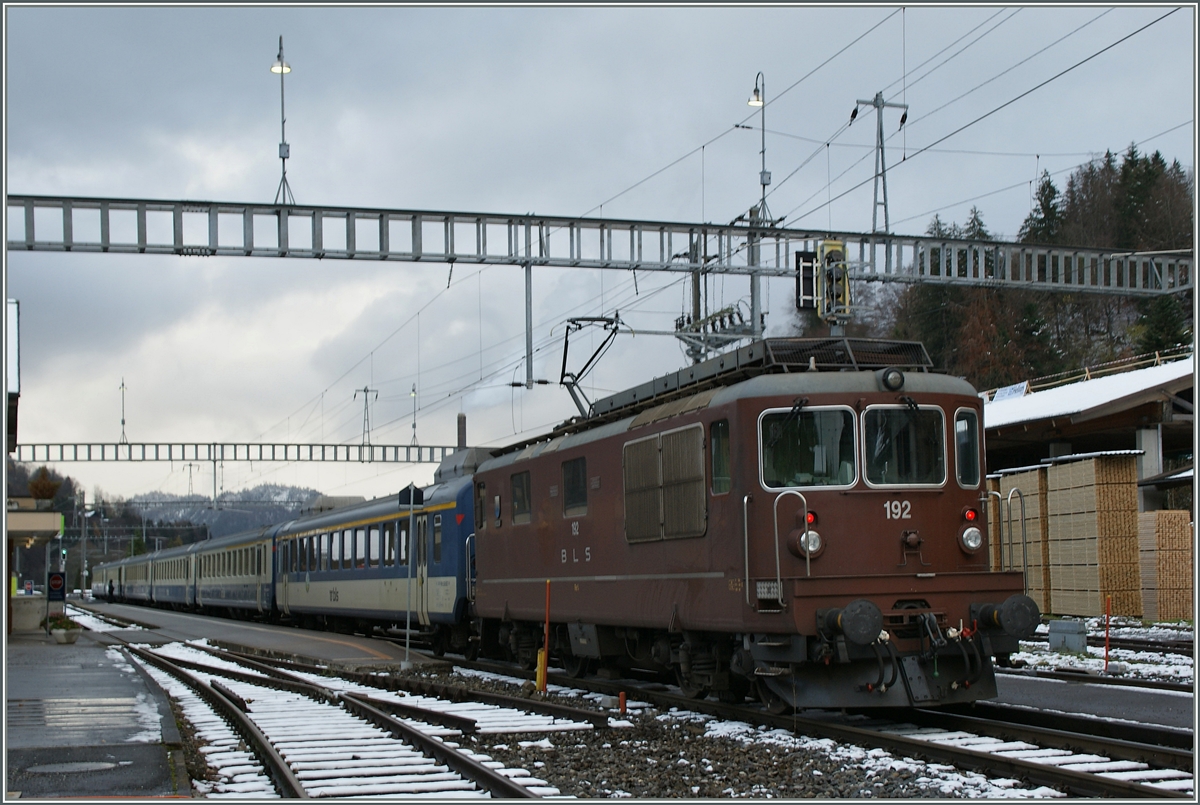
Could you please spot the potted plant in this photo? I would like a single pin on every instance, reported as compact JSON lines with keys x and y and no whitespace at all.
{"x":62,"y":627}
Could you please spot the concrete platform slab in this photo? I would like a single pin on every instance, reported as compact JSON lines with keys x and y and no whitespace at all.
{"x":83,"y":720}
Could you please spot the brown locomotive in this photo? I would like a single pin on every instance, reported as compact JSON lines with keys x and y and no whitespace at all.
{"x":801,"y":518}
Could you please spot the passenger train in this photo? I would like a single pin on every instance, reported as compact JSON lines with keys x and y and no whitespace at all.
{"x":800,"y":520}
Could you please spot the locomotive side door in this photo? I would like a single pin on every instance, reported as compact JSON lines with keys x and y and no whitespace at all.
{"x":422,"y":559}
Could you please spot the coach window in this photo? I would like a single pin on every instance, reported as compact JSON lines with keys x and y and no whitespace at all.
{"x":521,"y":509}
{"x":376,"y":549}
{"x":575,"y":487}
{"x":480,"y":506}
{"x":335,"y":550}
{"x":389,"y":544}
{"x":966,"y":447}
{"x":721,"y":479}
{"x":314,"y":543}
{"x":437,"y":538}
{"x":402,"y":542}
{"x":360,"y":547}
{"x":303,"y":545}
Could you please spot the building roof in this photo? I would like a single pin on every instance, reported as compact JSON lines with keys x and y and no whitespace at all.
{"x":1093,"y":398}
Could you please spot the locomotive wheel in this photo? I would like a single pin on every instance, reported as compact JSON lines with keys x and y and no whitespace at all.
{"x":576,"y":667}
{"x":471,"y":652}
{"x":772,"y":701}
{"x":739,"y":687}
{"x":689,"y":687}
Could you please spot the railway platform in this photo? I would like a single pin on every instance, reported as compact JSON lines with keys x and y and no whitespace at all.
{"x":82,"y":721}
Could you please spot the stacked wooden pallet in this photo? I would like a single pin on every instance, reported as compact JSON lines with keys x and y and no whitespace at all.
{"x":1093,"y":536}
{"x":1036,"y":555}
{"x":1165,"y":551}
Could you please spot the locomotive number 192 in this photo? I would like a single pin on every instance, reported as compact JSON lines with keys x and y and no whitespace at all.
{"x":897,"y":509}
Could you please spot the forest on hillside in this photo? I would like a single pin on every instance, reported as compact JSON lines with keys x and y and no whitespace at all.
{"x":997,"y":336}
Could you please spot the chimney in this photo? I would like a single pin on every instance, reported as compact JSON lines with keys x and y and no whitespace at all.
{"x":462,"y":431}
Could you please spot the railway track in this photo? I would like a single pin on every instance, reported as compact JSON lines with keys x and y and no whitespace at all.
{"x":1075,"y":756}
{"x":1074,"y":762}
{"x":295,"y":738}
{"x":1185,"y":647}
{"x":1069,"y":675}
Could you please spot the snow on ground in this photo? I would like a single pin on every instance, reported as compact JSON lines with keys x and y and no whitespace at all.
{"x":92,"y":623}
{"x":874,"y":762}
{"x":149,"y":719}
{"x":1122,"y":662}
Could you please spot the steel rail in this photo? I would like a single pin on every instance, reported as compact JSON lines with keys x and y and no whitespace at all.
{"x":1154,"y":735}
{"x":280,"y":772}
{"x":448,"y":720}
{"x":1087,"y":678}
{"x":366,"y":708}
{"x":487,"y":778}
{"x":1115,"y":748}
{"x":458,"y":694}
{"x":449,"y":692}
{"x":1186,"y":647}
{"x":1074,"y":783}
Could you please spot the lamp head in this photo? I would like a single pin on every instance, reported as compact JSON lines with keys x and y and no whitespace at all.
{"x":280,"y":66}
{"x":756,"y":98}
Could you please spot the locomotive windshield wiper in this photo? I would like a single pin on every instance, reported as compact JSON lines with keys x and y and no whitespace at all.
{"x":797,"y":404}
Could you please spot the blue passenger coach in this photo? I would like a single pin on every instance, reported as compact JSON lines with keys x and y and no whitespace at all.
{"x":403,"y":559}
{"x":385,"y":562}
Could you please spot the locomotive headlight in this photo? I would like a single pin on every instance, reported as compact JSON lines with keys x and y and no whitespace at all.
{"x":890,"y":379}
{"x":971,"y":539}
{"x":806,"y":544}
{"x":810,"y":542}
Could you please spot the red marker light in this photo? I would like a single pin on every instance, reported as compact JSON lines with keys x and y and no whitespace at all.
{"x":811,"y":518}
{"x":970,"y":515}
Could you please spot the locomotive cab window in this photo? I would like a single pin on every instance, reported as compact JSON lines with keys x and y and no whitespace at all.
{"x":719,"y":436}
{"x":804,"y":447}
{"x":904,"y":446}
{"x":521,"y":508}
{"x":575,"y":487}
{"x":966,"y":447}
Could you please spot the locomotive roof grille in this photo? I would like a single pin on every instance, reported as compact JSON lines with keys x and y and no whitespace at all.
{"x":767,"y":356}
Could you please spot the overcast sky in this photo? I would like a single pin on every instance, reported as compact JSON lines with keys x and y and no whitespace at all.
{"x":510,"y":110}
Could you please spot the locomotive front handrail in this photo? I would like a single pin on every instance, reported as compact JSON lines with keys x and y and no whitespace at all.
{"x":1024,"y":540}
{"x":807,"y":558}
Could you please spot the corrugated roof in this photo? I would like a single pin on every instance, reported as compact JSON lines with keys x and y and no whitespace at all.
{"x":1076,"y":399}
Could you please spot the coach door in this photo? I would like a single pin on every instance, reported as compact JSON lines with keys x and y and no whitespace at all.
{"x":422,"y":558}
{"x":285,"y":552}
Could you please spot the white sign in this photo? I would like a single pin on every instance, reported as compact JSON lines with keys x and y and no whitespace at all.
{"x":1009,"y":392}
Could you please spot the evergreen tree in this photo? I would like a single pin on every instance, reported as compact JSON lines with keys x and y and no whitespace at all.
{"x":1044,"y":222}
{"x":1163,"y":324}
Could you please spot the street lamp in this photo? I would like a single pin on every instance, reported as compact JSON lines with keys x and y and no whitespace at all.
{"x":284,"y":193}
{"x":764,"y":177}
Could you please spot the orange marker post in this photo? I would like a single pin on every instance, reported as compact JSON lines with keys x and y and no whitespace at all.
{"x":544,"y":654}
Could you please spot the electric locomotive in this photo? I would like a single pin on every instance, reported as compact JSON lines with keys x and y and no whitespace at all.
{"x":801,"y":517}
